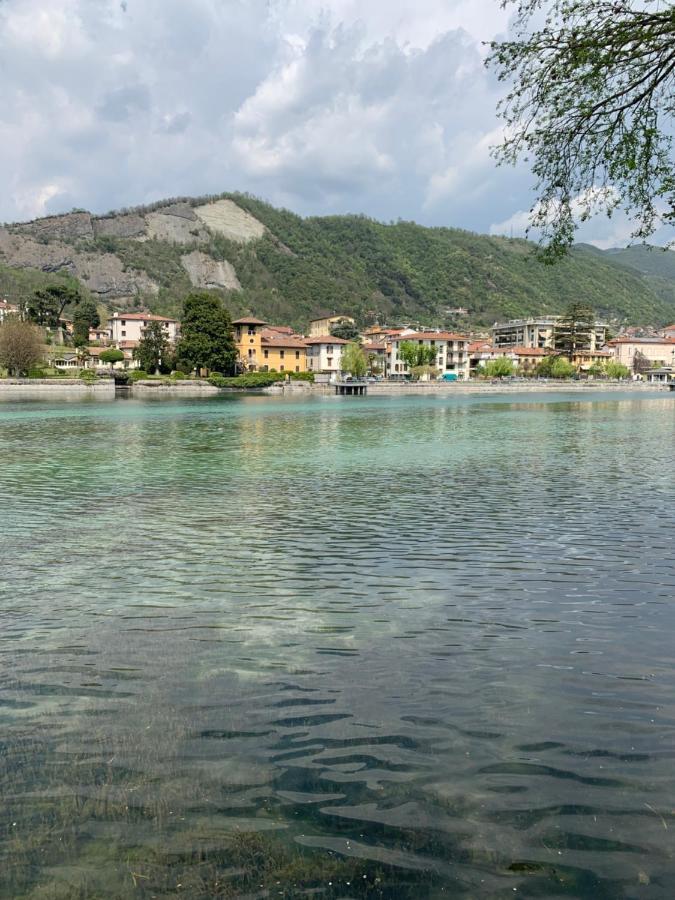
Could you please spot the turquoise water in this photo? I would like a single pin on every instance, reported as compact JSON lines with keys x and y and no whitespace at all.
{"x":344,"y":647}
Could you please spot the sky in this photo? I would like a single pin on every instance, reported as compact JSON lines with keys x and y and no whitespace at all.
{"x":381,"y":107}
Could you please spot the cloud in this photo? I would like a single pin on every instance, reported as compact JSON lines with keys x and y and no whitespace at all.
{"x":326,"y":106}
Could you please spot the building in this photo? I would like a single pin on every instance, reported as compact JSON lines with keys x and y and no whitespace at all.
{"x":7,"y":309}
{"x":664,"y":375}
{"x":324,"y":353}
{"x":128,"y":363}
{"x":525,"y":359}
{"x":322,"y":326}
{"x":376,"y":354}
{"x":539,"y":332}
{"x":100,"y":335}
{"x":248,"y":333}
{"x":452,"y":352}
{"x":658,"y":352}
{"x":584,"y":359}
{"x":669,"y":331}
{"x":130,"y":326}
{"x":282,"y":351}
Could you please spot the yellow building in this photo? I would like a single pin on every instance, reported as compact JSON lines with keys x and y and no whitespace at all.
{"x":261,"y":348}
{"x":283,"y":351}
{"x":319,"y":327}
{"x":248,"y":338}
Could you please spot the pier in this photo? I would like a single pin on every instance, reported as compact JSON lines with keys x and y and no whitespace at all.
{"x":353,"y":387}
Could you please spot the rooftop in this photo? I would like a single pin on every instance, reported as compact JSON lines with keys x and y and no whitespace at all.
{"x":325,"y":339}
{"x":139,"y":317}
{"x":429,"y":336}
{"x":248,"y":320}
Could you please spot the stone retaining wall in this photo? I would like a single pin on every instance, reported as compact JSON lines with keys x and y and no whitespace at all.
{"x":55,"y":389}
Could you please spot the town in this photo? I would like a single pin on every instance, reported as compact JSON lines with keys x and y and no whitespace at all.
{"x":141,"y":344}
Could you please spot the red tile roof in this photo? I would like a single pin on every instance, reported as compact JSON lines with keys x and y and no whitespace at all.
{"x":139,"y":317}
{"x":326,"y":339}
{"x":249,"y":320}
{"x":272,"y":339}
{"x":430,"y":336}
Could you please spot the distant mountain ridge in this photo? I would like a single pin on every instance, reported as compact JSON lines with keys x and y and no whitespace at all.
{"x":285,"y":268}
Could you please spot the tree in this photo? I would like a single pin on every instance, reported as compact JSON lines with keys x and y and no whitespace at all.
{"x":354,"y":360}
{"x":616,"y":370}
{"x":591,"y":109}
{"x":20,"y":345}
{"x":345,"y":330}
{"x":597,"y":370}
{"x":85,"y":317}
{"x":206,"y":340}
{"x":499,"y":368}
{"x":574,"y":329}
{"x":153,"y":348}
{"x":562,"y":368}
{"x":640,"y":363}
{"x":418,"y":372}
{"x":46,"y":305}
{"x":111,"y":356}
{"x":414,"y":354}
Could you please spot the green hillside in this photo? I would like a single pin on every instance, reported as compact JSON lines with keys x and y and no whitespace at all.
{"x":303,"y":267}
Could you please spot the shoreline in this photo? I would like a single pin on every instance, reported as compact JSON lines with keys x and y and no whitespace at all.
{"x":17,"y":389}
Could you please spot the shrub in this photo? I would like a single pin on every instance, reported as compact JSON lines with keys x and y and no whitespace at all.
{"x":36,"y":373}
{"x":137,"y":375}
{"x":88,"y":375}
{"x":178,"y":376}
{"x":302,"y":376}
{"x":249,"y":381}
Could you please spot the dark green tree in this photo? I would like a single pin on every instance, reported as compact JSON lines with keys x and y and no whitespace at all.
{"x":153,"y":350}
{"x":345,"y":330}
{"x":111,"y":356}
{"x":85,"y":317}
{"x":46,"y":305}
{"x":574,"y":329}
{"x":591,"y":109}
{"x":206,"y":340}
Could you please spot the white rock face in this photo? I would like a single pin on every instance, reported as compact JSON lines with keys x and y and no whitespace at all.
{"x":206,"y":272}
{"x":228,"y":219}
{"x":175,"y":229}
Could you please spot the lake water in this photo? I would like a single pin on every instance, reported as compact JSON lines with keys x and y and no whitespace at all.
{"x":338,"y":647}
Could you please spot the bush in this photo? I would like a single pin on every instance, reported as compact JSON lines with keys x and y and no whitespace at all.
{"x":137,"y":375}
{"x":178,"y":376}
{"x":249,"y":381}
{"x":88,"y":375}
{"x":302,"y":376}
{"x":36,"y":373}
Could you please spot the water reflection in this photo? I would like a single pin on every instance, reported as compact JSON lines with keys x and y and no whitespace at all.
{"x":407,"y":648}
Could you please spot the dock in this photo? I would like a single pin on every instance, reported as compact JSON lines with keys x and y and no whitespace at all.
{"x":353,"y":387}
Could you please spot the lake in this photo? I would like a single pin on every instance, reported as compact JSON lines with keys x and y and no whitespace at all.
{"x":408,"y":647}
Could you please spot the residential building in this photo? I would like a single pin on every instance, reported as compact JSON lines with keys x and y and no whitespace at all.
{"x":248,"y":333}
{"x":324,"y":353}
{"x":322,"y":326}
{"x":656,"y":351}
{"x":130,"y":326}
{"x":376,"y":354}
{"x":101,"y":335}
{"x":539,"y":332}
{"x":525,"y":359}
{"x":669,"y":331}
{"x":452,"y":352}
{"x":282,"y":351}
{"x":584,"y":359}
{"x":128,"y":363}
{"x":7,"y":309}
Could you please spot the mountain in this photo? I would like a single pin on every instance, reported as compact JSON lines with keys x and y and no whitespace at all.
{"x":286,"y":269}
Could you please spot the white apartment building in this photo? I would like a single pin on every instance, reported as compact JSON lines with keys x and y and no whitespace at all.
{"x":452,"y":352}
{"x":539,"y":332}
{"x":130,"y":326}
{"x":324,"y":354}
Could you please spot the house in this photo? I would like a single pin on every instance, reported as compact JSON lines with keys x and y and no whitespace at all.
{"x":668,"y":331}
{"x":100,"y":335}
{"x":452,"y":352}
{"x":282,"y":351}
{"x":376,"y":354}
{"x":67,"y":361}
{"x":584,"y":359}
{"x":655,"y":351}
{"x":665,"y":375}
{"x":7,"y":309}
{"x":322,"y":326}
{"x":324,"y":353}
{"x":248,"y":333}
{"x":127,"y":364}
{"x":130,"y":326}
{"x":539,"y":332}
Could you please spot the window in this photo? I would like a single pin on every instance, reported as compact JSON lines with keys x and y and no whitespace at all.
{"x":330,"y":360}
{"x":297,"y":354}
{"x":123,"y":322}
{"x":251,"y":329}
{"x":124,"y":334}
{"x":297,"y":368}
{"x":281,"y":354}
{"x":281,"y":368}
{"x":329,"y":348}
{"x":267,"y":354}
{"x":250,"y":353}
